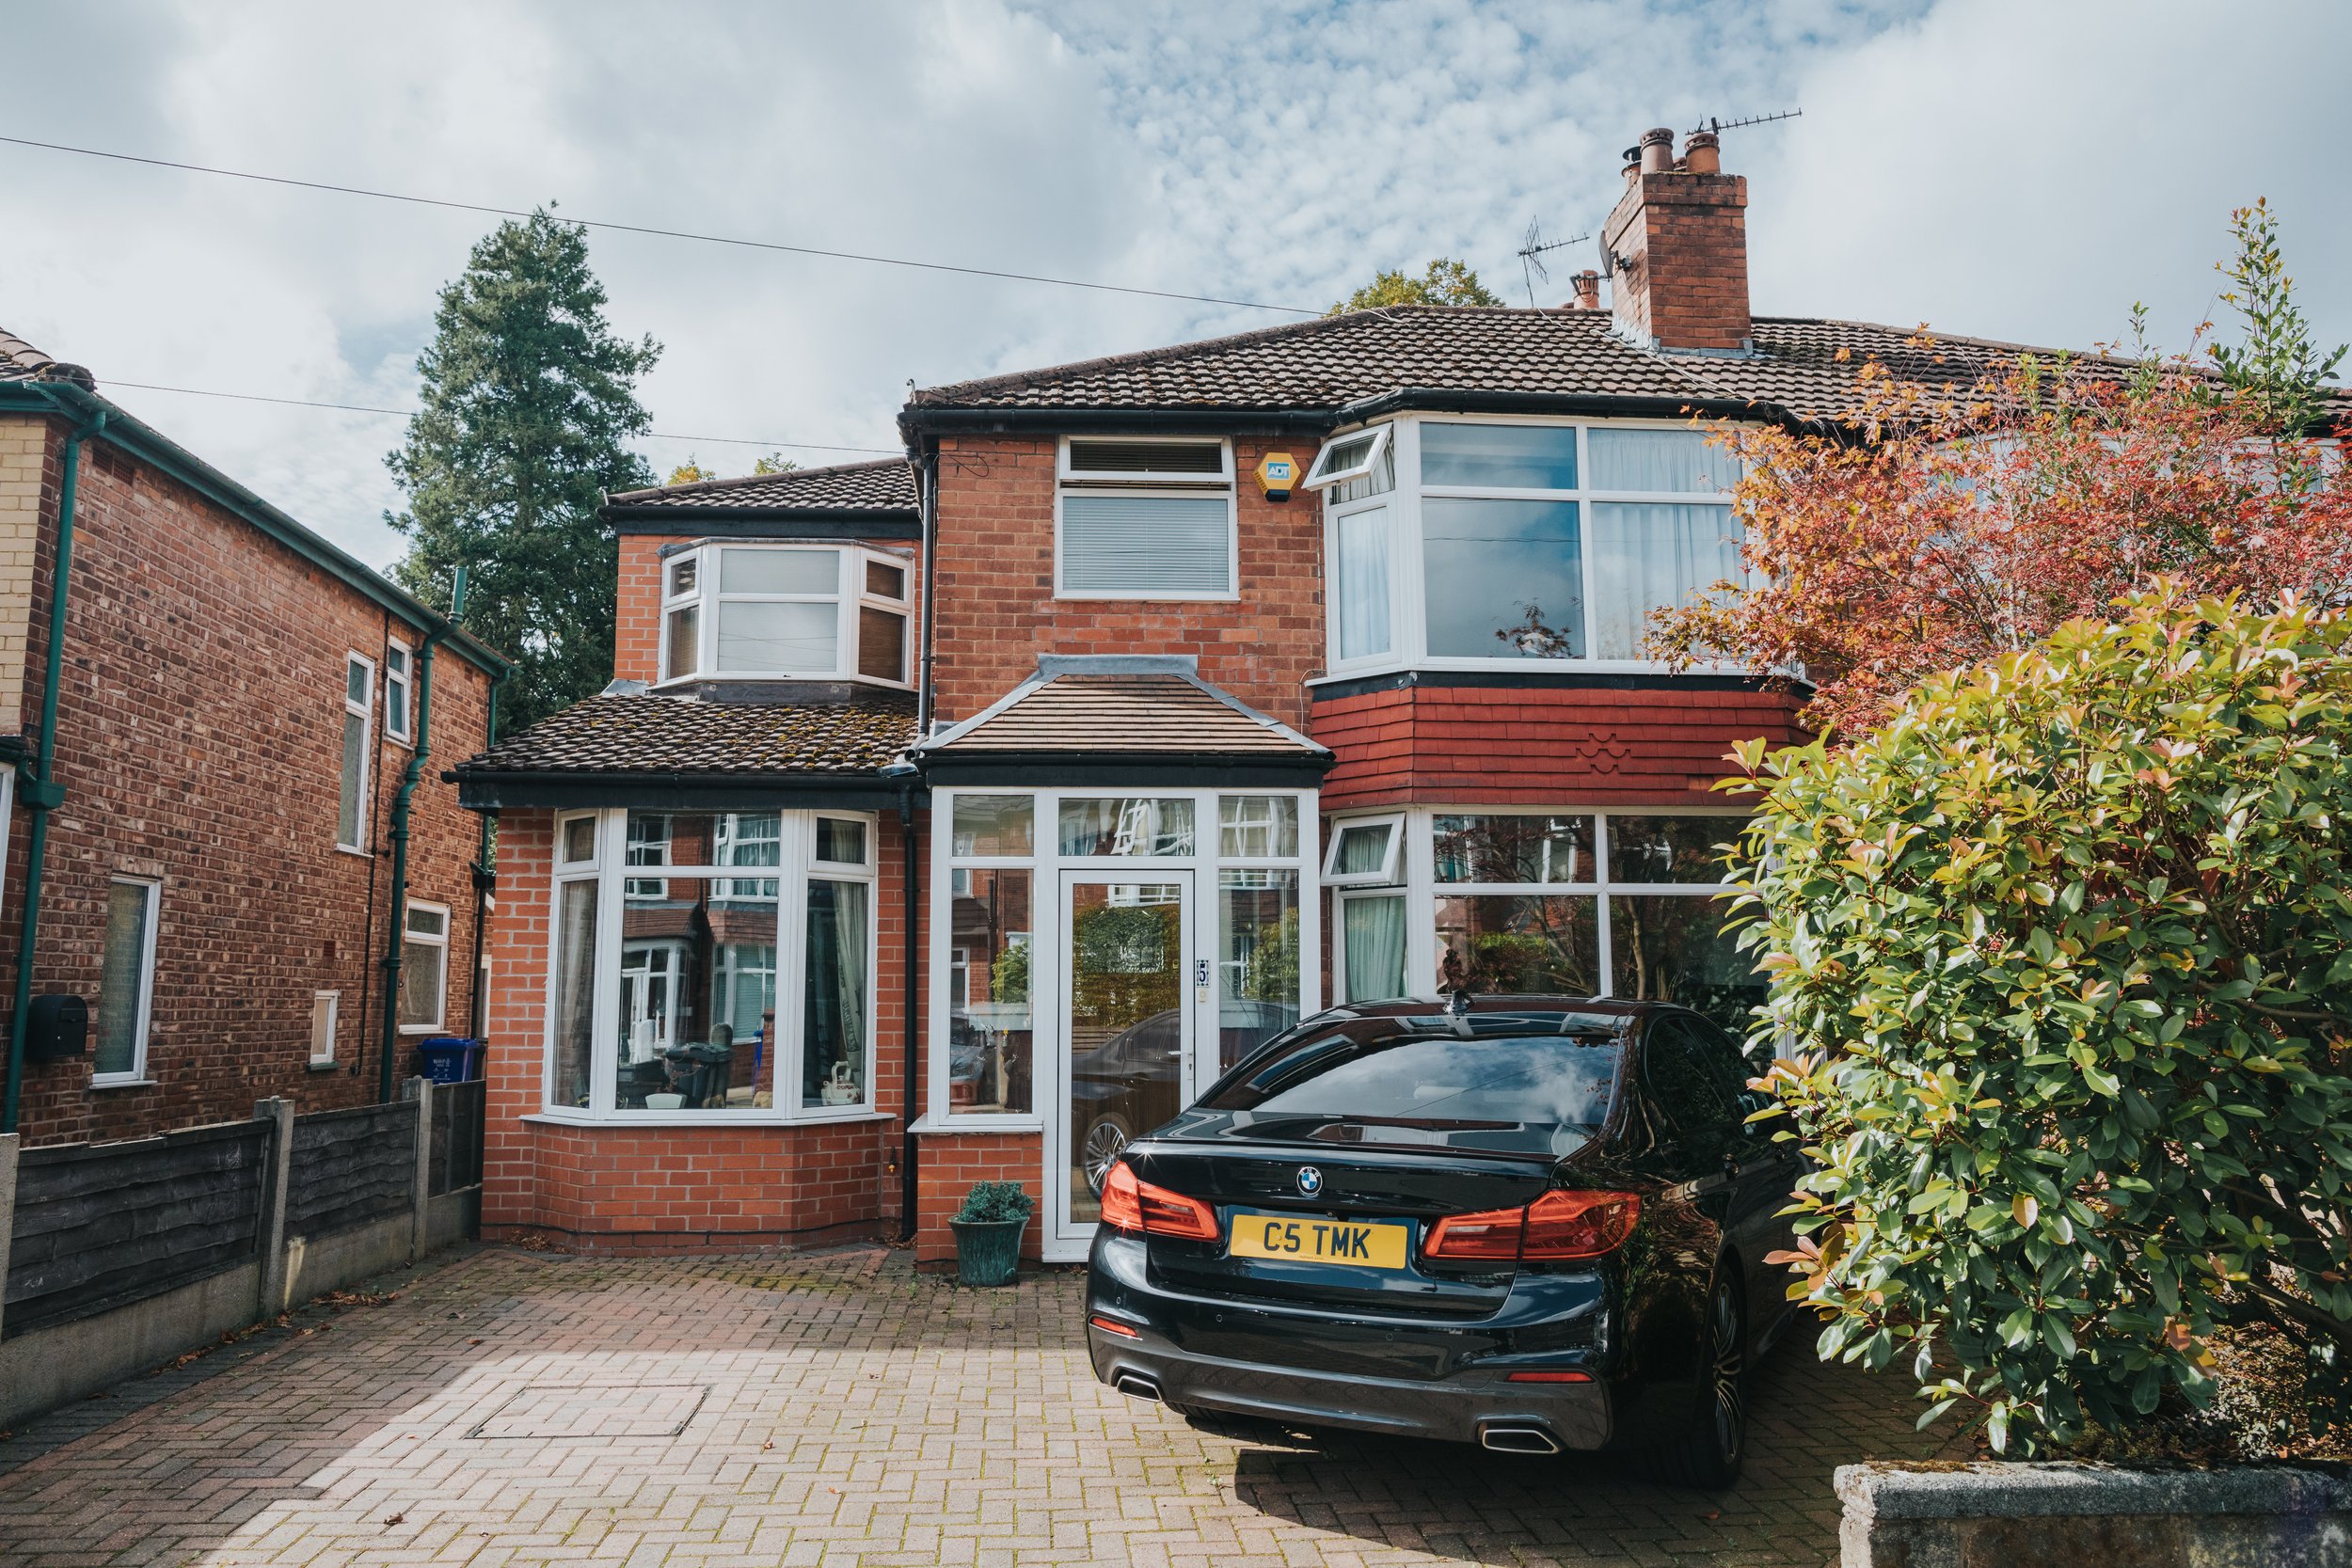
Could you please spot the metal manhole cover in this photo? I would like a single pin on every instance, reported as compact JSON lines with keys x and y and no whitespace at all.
{"x":573,"y":1411}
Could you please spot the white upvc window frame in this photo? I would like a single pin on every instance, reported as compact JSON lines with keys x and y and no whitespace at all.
{"x":848,"y":596}
{"x":400,"y":671}
{"x":1068,"y":481}
{"x":145,"y":1013}
{"x":798,"y":864}
{"x":326,"y":1017}
{"x":441,"y":943}
{"x":1408,"y":549}
{"x":362,"y":709}
{"x":1324,"y":473}
{"x":1047,"y":865}
{"x":1394,"y":822}
{"x":1423,"y":890}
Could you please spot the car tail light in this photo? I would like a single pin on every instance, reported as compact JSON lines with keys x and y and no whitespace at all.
{"x":1130,"y":1203}
{"x":1559,"y":1224}
{"x":1111,"y":1325}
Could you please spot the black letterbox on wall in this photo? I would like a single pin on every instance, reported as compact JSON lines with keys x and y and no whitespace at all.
{"x":55,"y":1028}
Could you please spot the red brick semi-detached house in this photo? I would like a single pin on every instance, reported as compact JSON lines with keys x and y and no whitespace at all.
{"x":962,"y":817}
{"x":236,"y":703}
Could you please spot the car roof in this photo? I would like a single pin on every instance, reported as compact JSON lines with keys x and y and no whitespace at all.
{"x":1508,"y":1002}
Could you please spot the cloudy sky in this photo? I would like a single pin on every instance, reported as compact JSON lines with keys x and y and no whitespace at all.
{"x":2011,"y":169}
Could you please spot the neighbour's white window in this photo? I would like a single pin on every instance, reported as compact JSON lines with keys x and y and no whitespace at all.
{"x":1145,"y":520}
{"x":785,"y":612}
{"x":351,"y":808}
{"x":1347,"y":457}
{"x":396,"y":690}
{"x":736,"y":982}
{"x":423,"y":968}
{"x":325,"y":1013}
{"x":126,"y":982}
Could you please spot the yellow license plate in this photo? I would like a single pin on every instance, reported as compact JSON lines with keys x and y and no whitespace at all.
{"x":1292,"y":1239}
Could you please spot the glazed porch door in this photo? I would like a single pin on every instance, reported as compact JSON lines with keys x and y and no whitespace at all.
{"x":1126,"y":1059}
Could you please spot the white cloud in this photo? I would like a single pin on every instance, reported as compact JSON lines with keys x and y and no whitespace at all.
{"x":1993,"y":167}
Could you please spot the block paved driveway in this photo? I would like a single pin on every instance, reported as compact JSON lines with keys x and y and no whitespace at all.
{"x":519,"y":1408}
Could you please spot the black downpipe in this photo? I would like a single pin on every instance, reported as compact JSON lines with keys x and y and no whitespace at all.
{"x":485,"y":879}
{"x":41,"y":792}
{"x":923,"y":703}
{"x":402,"y":804}
{"x":914,"y":1033}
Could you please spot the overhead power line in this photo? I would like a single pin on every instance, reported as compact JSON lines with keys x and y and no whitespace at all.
{"x":410,"y":413}
{"x":662,"y":233}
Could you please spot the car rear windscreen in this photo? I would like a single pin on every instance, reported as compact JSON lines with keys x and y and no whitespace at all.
{"x":1432,"y":1078}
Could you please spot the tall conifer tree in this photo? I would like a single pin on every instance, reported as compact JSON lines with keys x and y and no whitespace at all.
{"x":528,"y":397}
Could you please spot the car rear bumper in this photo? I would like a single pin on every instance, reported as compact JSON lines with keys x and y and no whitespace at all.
{"x":1470,"y":1406}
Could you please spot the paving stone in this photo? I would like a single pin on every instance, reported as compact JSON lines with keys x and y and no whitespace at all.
{"x":516,"y":1408}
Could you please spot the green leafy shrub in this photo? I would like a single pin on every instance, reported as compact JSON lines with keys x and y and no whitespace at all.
{"x":996,"y":1202}
{"x":2062,"y":974}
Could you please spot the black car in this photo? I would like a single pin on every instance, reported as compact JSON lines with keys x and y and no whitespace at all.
{"x":1532,"y":1223}
{"x":1129,"y":1082}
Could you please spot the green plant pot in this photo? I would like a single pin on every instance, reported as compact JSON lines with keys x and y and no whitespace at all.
{"x":988,"y":1252}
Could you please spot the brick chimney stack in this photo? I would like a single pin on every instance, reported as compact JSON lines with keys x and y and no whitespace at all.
{"x":1679,"y":236}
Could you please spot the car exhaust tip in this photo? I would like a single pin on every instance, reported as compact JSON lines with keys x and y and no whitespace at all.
{"x":1136,"y":1387}
{"x":1518,"y":1439}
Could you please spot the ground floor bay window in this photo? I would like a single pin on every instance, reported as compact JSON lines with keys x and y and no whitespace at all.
{"x":1610,"y":903}
{"x":712,"y":965}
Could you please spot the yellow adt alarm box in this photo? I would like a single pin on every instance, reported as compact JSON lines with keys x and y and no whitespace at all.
{"x":1277,"y":472}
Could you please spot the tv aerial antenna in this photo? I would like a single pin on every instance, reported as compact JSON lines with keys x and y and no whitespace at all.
{"x":1717,"y":127}
{"x":1532,"y":255}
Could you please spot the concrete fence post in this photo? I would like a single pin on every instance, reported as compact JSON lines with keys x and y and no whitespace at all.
{"x":7,"y":1212}
{"x":277,"y":1268}
{"x":420,"y":1090}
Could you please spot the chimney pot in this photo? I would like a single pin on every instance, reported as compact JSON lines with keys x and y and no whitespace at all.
{"x":1657,"y":150}
{"x":1587,"y":289}
{"x":1703,"y":152}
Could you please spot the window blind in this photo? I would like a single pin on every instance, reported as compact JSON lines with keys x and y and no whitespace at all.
{"x":1146,"y":545}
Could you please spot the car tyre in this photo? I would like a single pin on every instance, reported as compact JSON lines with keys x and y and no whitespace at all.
{"x":1107,"y":1137}
{"x":1706,"y":1451}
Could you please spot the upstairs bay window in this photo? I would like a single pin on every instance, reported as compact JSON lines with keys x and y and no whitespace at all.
{"x":785,"y":612}
{"x":1145,"y":520}
{"x":1457,"y":543}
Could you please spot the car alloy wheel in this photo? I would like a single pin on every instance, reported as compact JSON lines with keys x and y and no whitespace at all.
{"x":1106,"y":1141}
{"x":1728,"y":1366}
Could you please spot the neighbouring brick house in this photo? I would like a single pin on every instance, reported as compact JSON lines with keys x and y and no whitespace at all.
{"x":236,"y":703}
{"x":1149,"y":704}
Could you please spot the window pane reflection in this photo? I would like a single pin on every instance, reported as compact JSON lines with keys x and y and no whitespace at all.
{"x":1520,"y":851}
{"x":989,"y":1038}
{"x":1673,"y":948}
{"x":1257,"y":946}
{"x":698,"y":986}
{"x":1512,"y":944}
{"x":1126,"y":827}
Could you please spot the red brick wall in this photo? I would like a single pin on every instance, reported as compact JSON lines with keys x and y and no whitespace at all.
{"x":950,"y":1164}
{"x":996,"y":609}
{"x":700,"y":1188}
{"x":200,"y":741}
{"x":1540,"y":746}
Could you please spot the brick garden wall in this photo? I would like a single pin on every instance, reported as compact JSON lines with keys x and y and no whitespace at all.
{"x":199,"y":742}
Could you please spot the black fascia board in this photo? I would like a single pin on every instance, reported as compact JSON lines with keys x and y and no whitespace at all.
{"x":1298,"y":421}
{"x":761,"y":522}
{"x":1556,"y":680}
{"x":572,"y":789}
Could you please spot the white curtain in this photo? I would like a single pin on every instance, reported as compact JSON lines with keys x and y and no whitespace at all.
{"x":1644,"y":556}
{"x":1363,"y":545}
{"x":1373,"y":931}
{"x":848,"y":933}
{"x":1653,"y":460}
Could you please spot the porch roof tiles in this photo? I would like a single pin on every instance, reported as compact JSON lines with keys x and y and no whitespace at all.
{"x":1102,"y":707}
{"x":648,"y":735}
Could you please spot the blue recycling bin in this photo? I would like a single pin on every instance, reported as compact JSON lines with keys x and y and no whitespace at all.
{"x":449,"y":1058}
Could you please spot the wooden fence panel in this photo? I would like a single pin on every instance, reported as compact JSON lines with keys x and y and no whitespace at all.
{"x":352,"y":1167}
{"x":99,"y":1225}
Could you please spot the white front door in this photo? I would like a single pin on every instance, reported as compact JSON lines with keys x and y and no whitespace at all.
{"x":1127,"y":1057}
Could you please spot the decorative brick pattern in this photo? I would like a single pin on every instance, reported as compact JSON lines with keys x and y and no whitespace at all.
{"x":199,"y":742}
{"x":1541,"y":746}
{"x":858,"y":1416}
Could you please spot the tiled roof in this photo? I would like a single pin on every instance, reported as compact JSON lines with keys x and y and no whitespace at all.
{"x":884,"y":486}
{"x":647,"y":734}
{"x":21,"y":362}
{"x":1108,"y":715}
{"x":1802,"y":366}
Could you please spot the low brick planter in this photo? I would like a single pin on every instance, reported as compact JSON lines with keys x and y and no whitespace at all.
{"x":2028,"y":1515}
